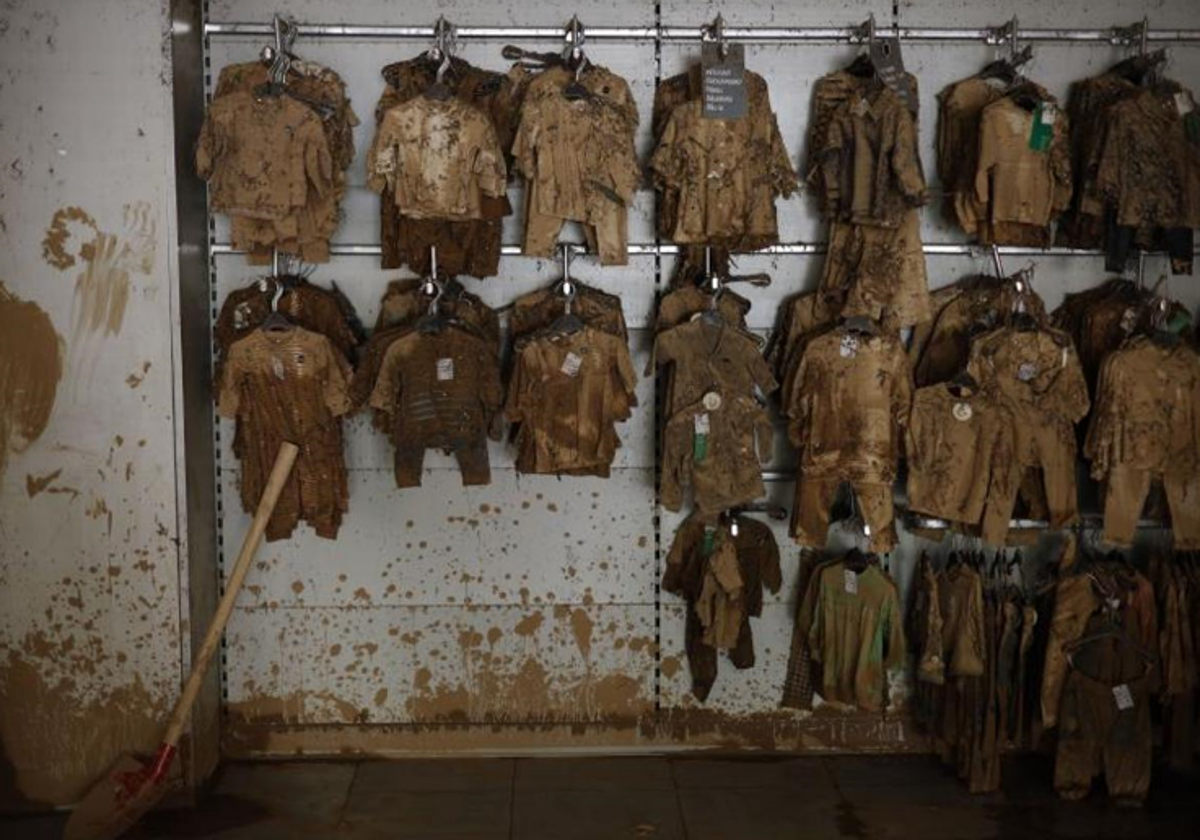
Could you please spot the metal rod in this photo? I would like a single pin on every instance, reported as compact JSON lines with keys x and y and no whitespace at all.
{"x":790,"y":248}
{"x":752,"y":34}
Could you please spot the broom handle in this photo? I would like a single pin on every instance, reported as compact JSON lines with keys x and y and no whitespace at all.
{"x":266,"y":506}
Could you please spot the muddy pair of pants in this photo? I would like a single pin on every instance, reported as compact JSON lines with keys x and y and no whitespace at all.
{"x":702,"y":657}
{"x":1125,"y":496}
{"x":606,"y":230}
{"x":815,"y":497}
{"x":472,"y":458}
{"x":1100,"y":732}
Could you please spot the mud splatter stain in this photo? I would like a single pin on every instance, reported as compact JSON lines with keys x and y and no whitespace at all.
{"x":31,"y":366}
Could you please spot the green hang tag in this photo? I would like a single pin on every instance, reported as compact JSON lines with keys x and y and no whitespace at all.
{"x":710,"y":540}
{"x":700,"y":429}
{"x":1041,"y":132}
{"x":1191,"y":126}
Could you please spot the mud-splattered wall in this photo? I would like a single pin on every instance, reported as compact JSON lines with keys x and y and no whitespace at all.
{"x":524,"y":615}
{"x":89,"y":571}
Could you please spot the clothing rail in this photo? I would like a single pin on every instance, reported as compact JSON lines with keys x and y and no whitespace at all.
{"x":746,"y":34}
{"x":650,"y":249}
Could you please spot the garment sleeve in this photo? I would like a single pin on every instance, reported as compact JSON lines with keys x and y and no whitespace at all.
{"x":1004,"y":480}
{"x":948,"y":153}
{"x":906,"y":162}
{"x":762,"y":374}
{"x":337,"y":382}
{"x":518,"y":386}
{"x":381,"y":157}
{"x":1110,"y":162}
{"x":902,"y":394}
{"x":682,"y":545}
{"x":489,"y":169}
{"x":669,"y":162}
{"x":896,"y":654}
{"x":675,"y":448}
{"x":1071,"y":387}
{"x":816,"y":630}
{"x":988,"y":151}
{"x":387,"y":388}
{"x":770,"y":570}
{"x":524,"y":147}
{"x":783,"y":175}
{"x":1060,"y":163}
{"x":799,"y":406}
{"x":831,"y":159}
{"x":318,"y":162}
{"x":1073,"y":605}
{"x":1098,"y":445}
{"x":229,"y":396}
{"x":209,"y":147}
{"x":765,"y":435}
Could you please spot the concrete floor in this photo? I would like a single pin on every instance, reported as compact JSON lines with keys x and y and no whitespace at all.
{"x":687,"y":798}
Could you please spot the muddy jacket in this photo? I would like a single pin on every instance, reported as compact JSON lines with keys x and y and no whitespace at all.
{"x":1036,"y":374}
{"x":263,"y":158}
{"x":464,"y":247}
{"x":1147,"y":412}
{"x":303,"y":303}
{"x":849,"y":405}
{"x":871,"y":173}
{"x":960,"y":455}
{"x":1024,"y":183}
{"x":960,"y":592}
{"x":577,"y":156}
{"x":857,"y":634}
{"x":960,"y":111}
{"x":706,"y":357}
{"x":800,"y":320}
{"x":1149,"y":168}
{"x":290,"y":386}
{"x":926,"y":626}
{"x":567,"y":392}
{"x":715,"y":447}
{"x":441,"y":389}
{"x":718,"y":179}
{"x":941,"y":346}
{"x":831,"y":94}
{"x":438,"y":158}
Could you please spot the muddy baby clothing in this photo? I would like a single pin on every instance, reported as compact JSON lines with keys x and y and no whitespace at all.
{"x":290,"y":385}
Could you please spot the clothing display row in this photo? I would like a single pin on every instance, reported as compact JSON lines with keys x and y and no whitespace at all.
{"x":718,"y":178}
{"x":864,"y":168}
{"x":720,"y":564}
{"x":1003,"y":158}
{"x":275,"y":150}
{"x":1135,"y":147}
{"x":848,"y":639}
{"x":716,"y":431}
{"x":284,"y":375}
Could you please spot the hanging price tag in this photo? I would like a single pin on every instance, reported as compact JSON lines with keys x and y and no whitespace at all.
{"x":849,"y":346}
{"x":1184,"y":103}
{"x":700,"y":427}
{"x":851,"y":581}
{"x":724,"y":82}
{"x":445,"y":369}
{"x":1027,"y":371}
{"x":962,"y":412}
{"x":889,"y":65}
{"x":1123,"y":696}
{"x":277,"y":368}
{"x":1041,"y":131}
{"x":710,"y":540}
{"x":571,"y":364}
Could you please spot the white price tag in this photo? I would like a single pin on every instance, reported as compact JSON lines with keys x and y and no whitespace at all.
{"x":1027,"y":372}
{"x":962,"y":411}
{"x":277,"y":368}
{"x":701,"y":423}
{"x":1049,"y":114}
{"x":571,"y":364}
{"x":445,"y":369}
{"x":851,"y":581}
{"x":1184,"y":103}
{"x":849,"y":346}
{"x":1123,"y":696}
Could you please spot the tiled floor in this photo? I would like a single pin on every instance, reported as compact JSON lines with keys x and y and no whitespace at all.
{"x":697,"y":798}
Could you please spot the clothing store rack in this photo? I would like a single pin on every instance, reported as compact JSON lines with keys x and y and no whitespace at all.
{"x":1116,"y":35}
{"x":810,"y":248}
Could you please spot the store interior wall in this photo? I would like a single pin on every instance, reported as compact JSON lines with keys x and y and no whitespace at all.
{"x":92,"y":599}
{"x":524,"y":616}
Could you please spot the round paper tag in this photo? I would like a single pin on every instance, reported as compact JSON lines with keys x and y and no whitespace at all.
{"x":1026,"y":372}
{"x":849,"y":347}
{"x":712,"y":401}
{"x":962,"y":411}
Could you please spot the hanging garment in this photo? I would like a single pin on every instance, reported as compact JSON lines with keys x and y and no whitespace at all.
{"x":1146,"y":427}
{"x":442,"y":390}
{"x":567,"y":393}
{"x":960,"y":112}
{"x":718,"y":180}
{"x":470,"y":247}
{"x":698,"y":569}
{"x":289,"y":385}
{"x":578,"y":161}
{"x":857,"y":635}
